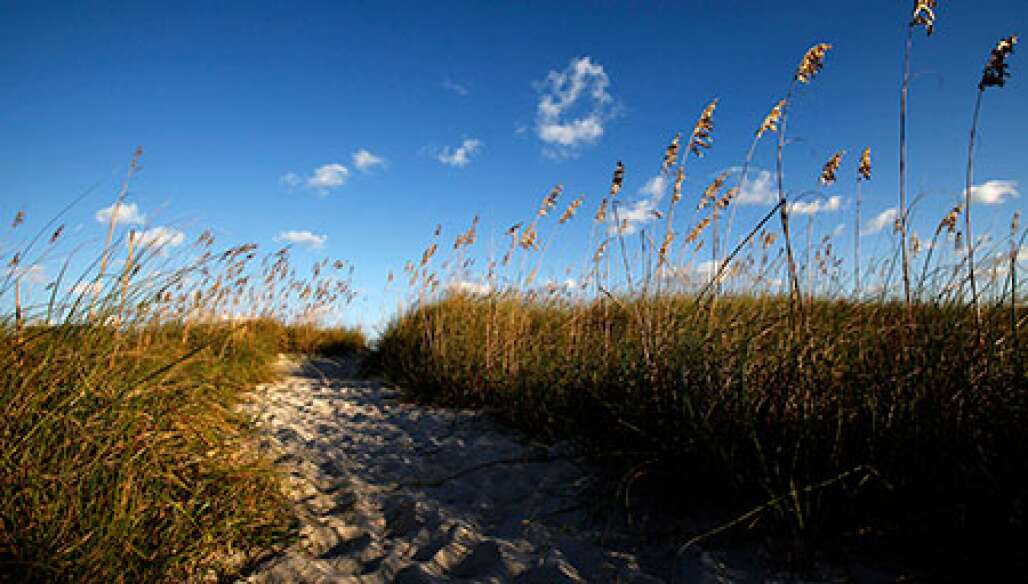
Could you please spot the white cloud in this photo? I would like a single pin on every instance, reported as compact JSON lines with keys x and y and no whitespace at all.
{"x":816,"y":206}
{"x":34,"y":274}
{"x":366,"y":161}
{"x":884,"y":219}
{"x":302,"y":238}
{"x":994,"y":192}
{"x":655,"y":187}
{"x":86,"y":288}
{"x":583,"y":130}
{"x":461,"y":156}
{"x":326,"y":178}
{"x":471,"y":288}
{"x":128,"y":214}
{"x":758,"y":191}
{"x":457,"y":88}
{"x":573,"y":106}
{"x":161,"y":237}
{"x":839,"y":229}
{"x":642,"y":211}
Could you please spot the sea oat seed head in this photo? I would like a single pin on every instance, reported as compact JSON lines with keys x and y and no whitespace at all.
{"x":19,"y":218}
{"x":864,"y":171}
{"x":995,"y":73}
{"x":570,"y":211}
{"x":812,"y":62}
{"x":619,"y":178}
{"x":601,"y":213}
{"x":550,"y":200}
{"x":924,"y":15}
{"x":671,"y":154}
{"x":831,"y":167}
{"x":57,"y":234}
{"x":702,"y":137}
{"x":770,"y":123}
{"x":676,"y":193}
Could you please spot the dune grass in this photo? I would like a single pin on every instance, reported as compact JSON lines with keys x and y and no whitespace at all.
{"x":916,"y":428}
{"x":124,"y":456}
{"x":804,"y":401}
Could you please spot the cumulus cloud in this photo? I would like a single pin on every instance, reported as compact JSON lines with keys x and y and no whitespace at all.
{"x":328,"y":176}
{"x":461,"y":156}
{"x":758,"y":190}
{"x":324,"y":180}
{"x":880,"y":221}
{"x":128,"y":214}
{"x":457,"y":88}
{"x":994,"y":192}
{"x":573,"y":107}
{"x":161,"y":237}
{"x":366,"y":161}
{"x":816,"y":206}
{"x":303,"y":237}
{"x":639,"y":213}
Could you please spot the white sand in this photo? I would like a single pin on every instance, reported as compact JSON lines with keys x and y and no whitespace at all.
{"x":389,"y":491}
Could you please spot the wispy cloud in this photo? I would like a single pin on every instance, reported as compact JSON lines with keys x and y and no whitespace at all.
{"x":994,"y":192}
{"x":128,"y":214}
{"x":325,"y":178}
{"x":365,"y":161}
{"x":573,"y":107}
{"x":460,"y":156}
{"x":161,"y":237}
{"x":83,"y":288}
{"x":880,"y":221}
{"x":34,"y":274}
{"x":640,"y":212}
{"x":303,"y":237}
{"x":817,"y":206}
{"x":459,"y":89}
{"x":758,"y":190}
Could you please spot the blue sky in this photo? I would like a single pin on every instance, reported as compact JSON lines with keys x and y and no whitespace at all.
{"x":253,"y":115}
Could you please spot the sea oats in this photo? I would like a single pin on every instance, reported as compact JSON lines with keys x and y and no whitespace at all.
{"x":702,"y":132}
{"x":710,"y":193}
{"x":924,"y":15}
{"x":995,"y":72}
{"x":19,"y":218}
{"x":550,"y":200}
{"x":428,"y":254}
{"x":676,"y":191}
{"x":812,"y":62}
{"x":770,"y":123}
{"x":864,"y":171}
{"x":570,"y":211}
{"x":598,"y":255}
{"x":616,"y":182}
{"x":601,"y":213}
{"x":831,"y":167}
{"x":671,"y":154}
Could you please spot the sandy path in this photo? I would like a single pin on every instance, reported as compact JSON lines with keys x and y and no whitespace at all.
{"x":394,"y":492}
{"x":388,"y":491}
